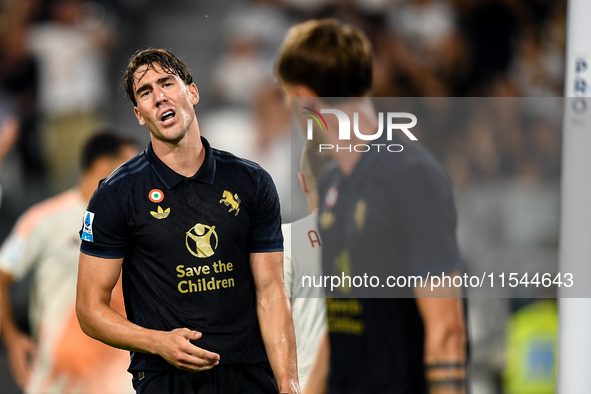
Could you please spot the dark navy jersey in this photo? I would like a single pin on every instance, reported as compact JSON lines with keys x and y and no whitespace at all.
{"x":186,"y":245}
{"x":394,"y":215}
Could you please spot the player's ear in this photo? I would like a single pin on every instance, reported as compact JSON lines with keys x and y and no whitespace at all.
{"x":139,"y":116}
{"x":194,"y":94}
{"x":303,"y":183}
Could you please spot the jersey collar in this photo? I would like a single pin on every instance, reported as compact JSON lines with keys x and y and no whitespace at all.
{"x":170,"y":179}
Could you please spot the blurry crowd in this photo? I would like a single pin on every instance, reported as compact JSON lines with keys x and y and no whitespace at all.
{"x":55,"y":80}
{"x":57,"y":83}
{"x":54,"y":63}
{"x":424,"y":48}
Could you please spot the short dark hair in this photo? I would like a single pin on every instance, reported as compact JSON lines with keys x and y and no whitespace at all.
{"x":105,"y":142}
{"x":170,"y":64}
{"x":333,"y":59}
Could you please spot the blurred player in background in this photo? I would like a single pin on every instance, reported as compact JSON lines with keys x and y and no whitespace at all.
{"x":303,"y":258}
{"x":197,"y":233}
{"x":9,"y":131}
{"x":60,"y":358}
{"x":379,"y":212}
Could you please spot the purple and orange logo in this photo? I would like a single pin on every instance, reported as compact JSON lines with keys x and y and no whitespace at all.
{"x":315,"y":117}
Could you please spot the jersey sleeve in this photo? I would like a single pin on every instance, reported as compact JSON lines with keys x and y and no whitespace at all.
{"x":104,"y":226}
{"x":426,"y":206}
{"x":265,"y":232}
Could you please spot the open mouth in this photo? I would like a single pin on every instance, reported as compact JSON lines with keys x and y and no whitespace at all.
{"x":167,"y":117}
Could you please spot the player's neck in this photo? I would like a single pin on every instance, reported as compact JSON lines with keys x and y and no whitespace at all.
{"x":184,"y":157}
{"x":312,"y":198}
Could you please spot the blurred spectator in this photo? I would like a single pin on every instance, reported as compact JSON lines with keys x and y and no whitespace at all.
{"x":491,"y":28}
{"x":72,"y":49}
{"x":9,"y":129}
{"x":305,"y":7}
{"x":538,"y":67}
{"x":532,"y":349}
{"x":18,"y":77}
{"x":253,"y":32}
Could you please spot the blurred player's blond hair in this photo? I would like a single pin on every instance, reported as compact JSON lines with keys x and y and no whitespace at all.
{"x":331,"y":58}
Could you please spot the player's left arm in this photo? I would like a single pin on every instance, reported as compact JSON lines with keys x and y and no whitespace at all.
{"x":445,"y":339}
{"x":274,"y":313}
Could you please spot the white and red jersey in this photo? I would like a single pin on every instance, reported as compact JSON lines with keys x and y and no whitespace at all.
{"x":46,"y":241}
{"x":302,"y":251}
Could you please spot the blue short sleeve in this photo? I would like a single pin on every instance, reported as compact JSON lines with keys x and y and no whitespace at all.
{"x":103,"y":232}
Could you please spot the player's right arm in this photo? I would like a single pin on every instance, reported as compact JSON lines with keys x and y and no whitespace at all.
{"x":96,"y":279}
{"x":20,"y":347}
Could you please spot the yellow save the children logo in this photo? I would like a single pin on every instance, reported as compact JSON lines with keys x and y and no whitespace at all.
{"x":199,"y":241}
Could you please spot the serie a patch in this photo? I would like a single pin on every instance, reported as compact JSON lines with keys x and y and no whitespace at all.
{"x":87,"y":229}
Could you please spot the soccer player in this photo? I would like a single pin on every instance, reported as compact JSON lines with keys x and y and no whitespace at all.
{"x":197,"y":235}
{"x":302,"y":262}
{"x":60,"y":357}
{"x":379,"y":212}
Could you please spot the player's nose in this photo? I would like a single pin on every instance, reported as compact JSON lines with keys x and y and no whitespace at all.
{"x":160,"y":97}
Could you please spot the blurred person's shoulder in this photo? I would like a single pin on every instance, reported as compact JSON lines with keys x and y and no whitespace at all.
{"x":301,"y":226}
{"x":47,"y":210}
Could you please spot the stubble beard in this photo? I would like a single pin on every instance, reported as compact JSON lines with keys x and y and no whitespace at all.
{"x":162,"y":133}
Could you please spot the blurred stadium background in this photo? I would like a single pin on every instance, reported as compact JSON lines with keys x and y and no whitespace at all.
{"x":61,"y":68}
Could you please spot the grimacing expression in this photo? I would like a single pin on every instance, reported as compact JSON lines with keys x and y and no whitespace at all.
{"x":164,"y":102}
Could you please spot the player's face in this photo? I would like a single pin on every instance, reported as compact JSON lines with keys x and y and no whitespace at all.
{"x":164,"y":103}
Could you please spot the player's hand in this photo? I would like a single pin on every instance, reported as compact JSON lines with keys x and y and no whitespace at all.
{"x":21,"y":353}
{"x":176,"y":349}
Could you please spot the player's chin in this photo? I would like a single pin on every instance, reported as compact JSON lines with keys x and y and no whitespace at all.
{"x":172,"y":136}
